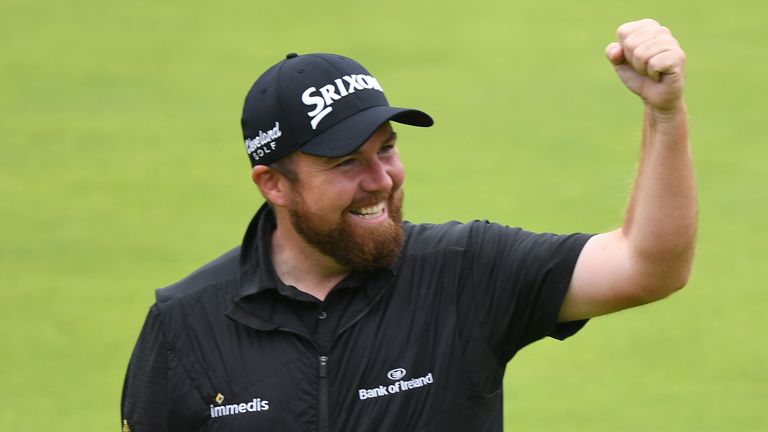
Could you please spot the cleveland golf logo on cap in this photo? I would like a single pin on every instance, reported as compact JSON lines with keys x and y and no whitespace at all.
{"x":264,"y":143}
{"x":346,"y":85}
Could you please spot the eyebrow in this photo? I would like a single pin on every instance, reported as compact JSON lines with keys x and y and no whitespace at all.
{"x":392,"y":136}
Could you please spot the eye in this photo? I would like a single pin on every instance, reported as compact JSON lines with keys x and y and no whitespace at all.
{"x":388,"y":148}
{"x":345,"y":163}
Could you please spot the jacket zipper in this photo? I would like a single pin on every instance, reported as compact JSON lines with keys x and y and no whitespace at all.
{"x":323,"y":399}
{"x":323,"y":382}
{"x":322,"y":370}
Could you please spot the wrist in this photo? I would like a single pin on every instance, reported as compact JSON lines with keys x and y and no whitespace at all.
{"x":668,"y":114}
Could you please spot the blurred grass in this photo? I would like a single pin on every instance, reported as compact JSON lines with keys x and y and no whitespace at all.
{"x":121,"y":169}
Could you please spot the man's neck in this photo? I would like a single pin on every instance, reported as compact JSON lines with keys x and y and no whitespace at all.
{"x":299,"y":264}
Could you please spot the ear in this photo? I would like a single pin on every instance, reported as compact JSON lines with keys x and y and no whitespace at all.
{"x":271,"y":184}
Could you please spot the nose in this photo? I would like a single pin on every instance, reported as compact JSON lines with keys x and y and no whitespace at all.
{"x":378,"y":177}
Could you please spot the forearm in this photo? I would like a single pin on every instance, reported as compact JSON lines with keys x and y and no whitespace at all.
{"x":650,"y":256}
{"x":661,"y":219}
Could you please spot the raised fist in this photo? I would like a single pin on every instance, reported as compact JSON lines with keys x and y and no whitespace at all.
{"x":651,"y":63}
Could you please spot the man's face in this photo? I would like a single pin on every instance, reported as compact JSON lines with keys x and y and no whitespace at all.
{"x":349,"y":208}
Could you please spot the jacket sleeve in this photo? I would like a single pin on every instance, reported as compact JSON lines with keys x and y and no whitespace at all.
{"x":145,"y":400}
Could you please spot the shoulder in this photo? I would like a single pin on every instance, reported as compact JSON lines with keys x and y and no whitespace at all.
{"x":427,"y":237}
{"x":484,"y":239}
{"x":223,"y":268}
{"x":421,"y":238}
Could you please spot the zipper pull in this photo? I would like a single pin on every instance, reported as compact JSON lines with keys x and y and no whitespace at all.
{"x":323,"y":363}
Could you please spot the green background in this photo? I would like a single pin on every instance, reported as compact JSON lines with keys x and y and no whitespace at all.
{"x":122,"y":169}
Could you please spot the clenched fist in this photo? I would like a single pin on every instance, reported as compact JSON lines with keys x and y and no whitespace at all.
{"x":651,"y":63}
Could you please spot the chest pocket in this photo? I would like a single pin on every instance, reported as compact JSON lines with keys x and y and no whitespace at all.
{"x":264,"y":404}
{"x":254,"y":388}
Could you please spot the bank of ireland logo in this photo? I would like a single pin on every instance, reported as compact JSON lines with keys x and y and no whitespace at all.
{"x":396,"y":374}
{"x":397,"y":385}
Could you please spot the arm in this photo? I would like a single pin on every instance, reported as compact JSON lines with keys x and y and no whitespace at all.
{"x":650,"y":256}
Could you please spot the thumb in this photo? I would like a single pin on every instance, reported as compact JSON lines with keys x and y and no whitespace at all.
{"x":627,"y":74}
{"x":615,"y":53}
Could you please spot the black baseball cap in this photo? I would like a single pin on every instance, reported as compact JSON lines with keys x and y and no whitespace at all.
{"x":321,"y":104}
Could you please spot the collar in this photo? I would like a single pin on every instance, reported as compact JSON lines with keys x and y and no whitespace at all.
{"x":260,"y":301}
{"x":254,"y":253}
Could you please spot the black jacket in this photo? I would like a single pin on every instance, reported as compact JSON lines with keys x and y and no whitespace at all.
{"x":418,"y":347}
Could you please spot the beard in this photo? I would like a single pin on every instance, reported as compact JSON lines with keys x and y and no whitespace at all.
{"x":352,"y":246}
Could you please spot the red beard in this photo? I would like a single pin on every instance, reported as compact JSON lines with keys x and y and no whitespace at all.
{"x":349,"y":245}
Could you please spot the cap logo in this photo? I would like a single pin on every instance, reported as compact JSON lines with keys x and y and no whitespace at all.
{"x":328,"y":94}
{"x":263,"y":143}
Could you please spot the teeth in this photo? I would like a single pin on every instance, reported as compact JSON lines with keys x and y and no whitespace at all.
{"x":370,"y":211}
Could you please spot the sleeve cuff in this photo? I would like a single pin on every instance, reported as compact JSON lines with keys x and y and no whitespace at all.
{"x":565,"y":330}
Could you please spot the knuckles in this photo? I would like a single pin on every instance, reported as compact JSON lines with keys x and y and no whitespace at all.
{"x":645,"y":47}
{"x":656,"y":46}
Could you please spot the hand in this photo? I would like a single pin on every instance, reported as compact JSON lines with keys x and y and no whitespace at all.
{"x":651,"y":63}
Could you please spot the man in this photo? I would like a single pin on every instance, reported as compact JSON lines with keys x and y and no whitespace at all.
{"x":335,"y":315}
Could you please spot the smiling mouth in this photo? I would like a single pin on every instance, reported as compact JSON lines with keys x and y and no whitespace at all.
{"x":370,"y":212}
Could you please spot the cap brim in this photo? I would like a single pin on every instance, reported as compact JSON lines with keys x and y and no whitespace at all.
{"x":352,"y":132}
